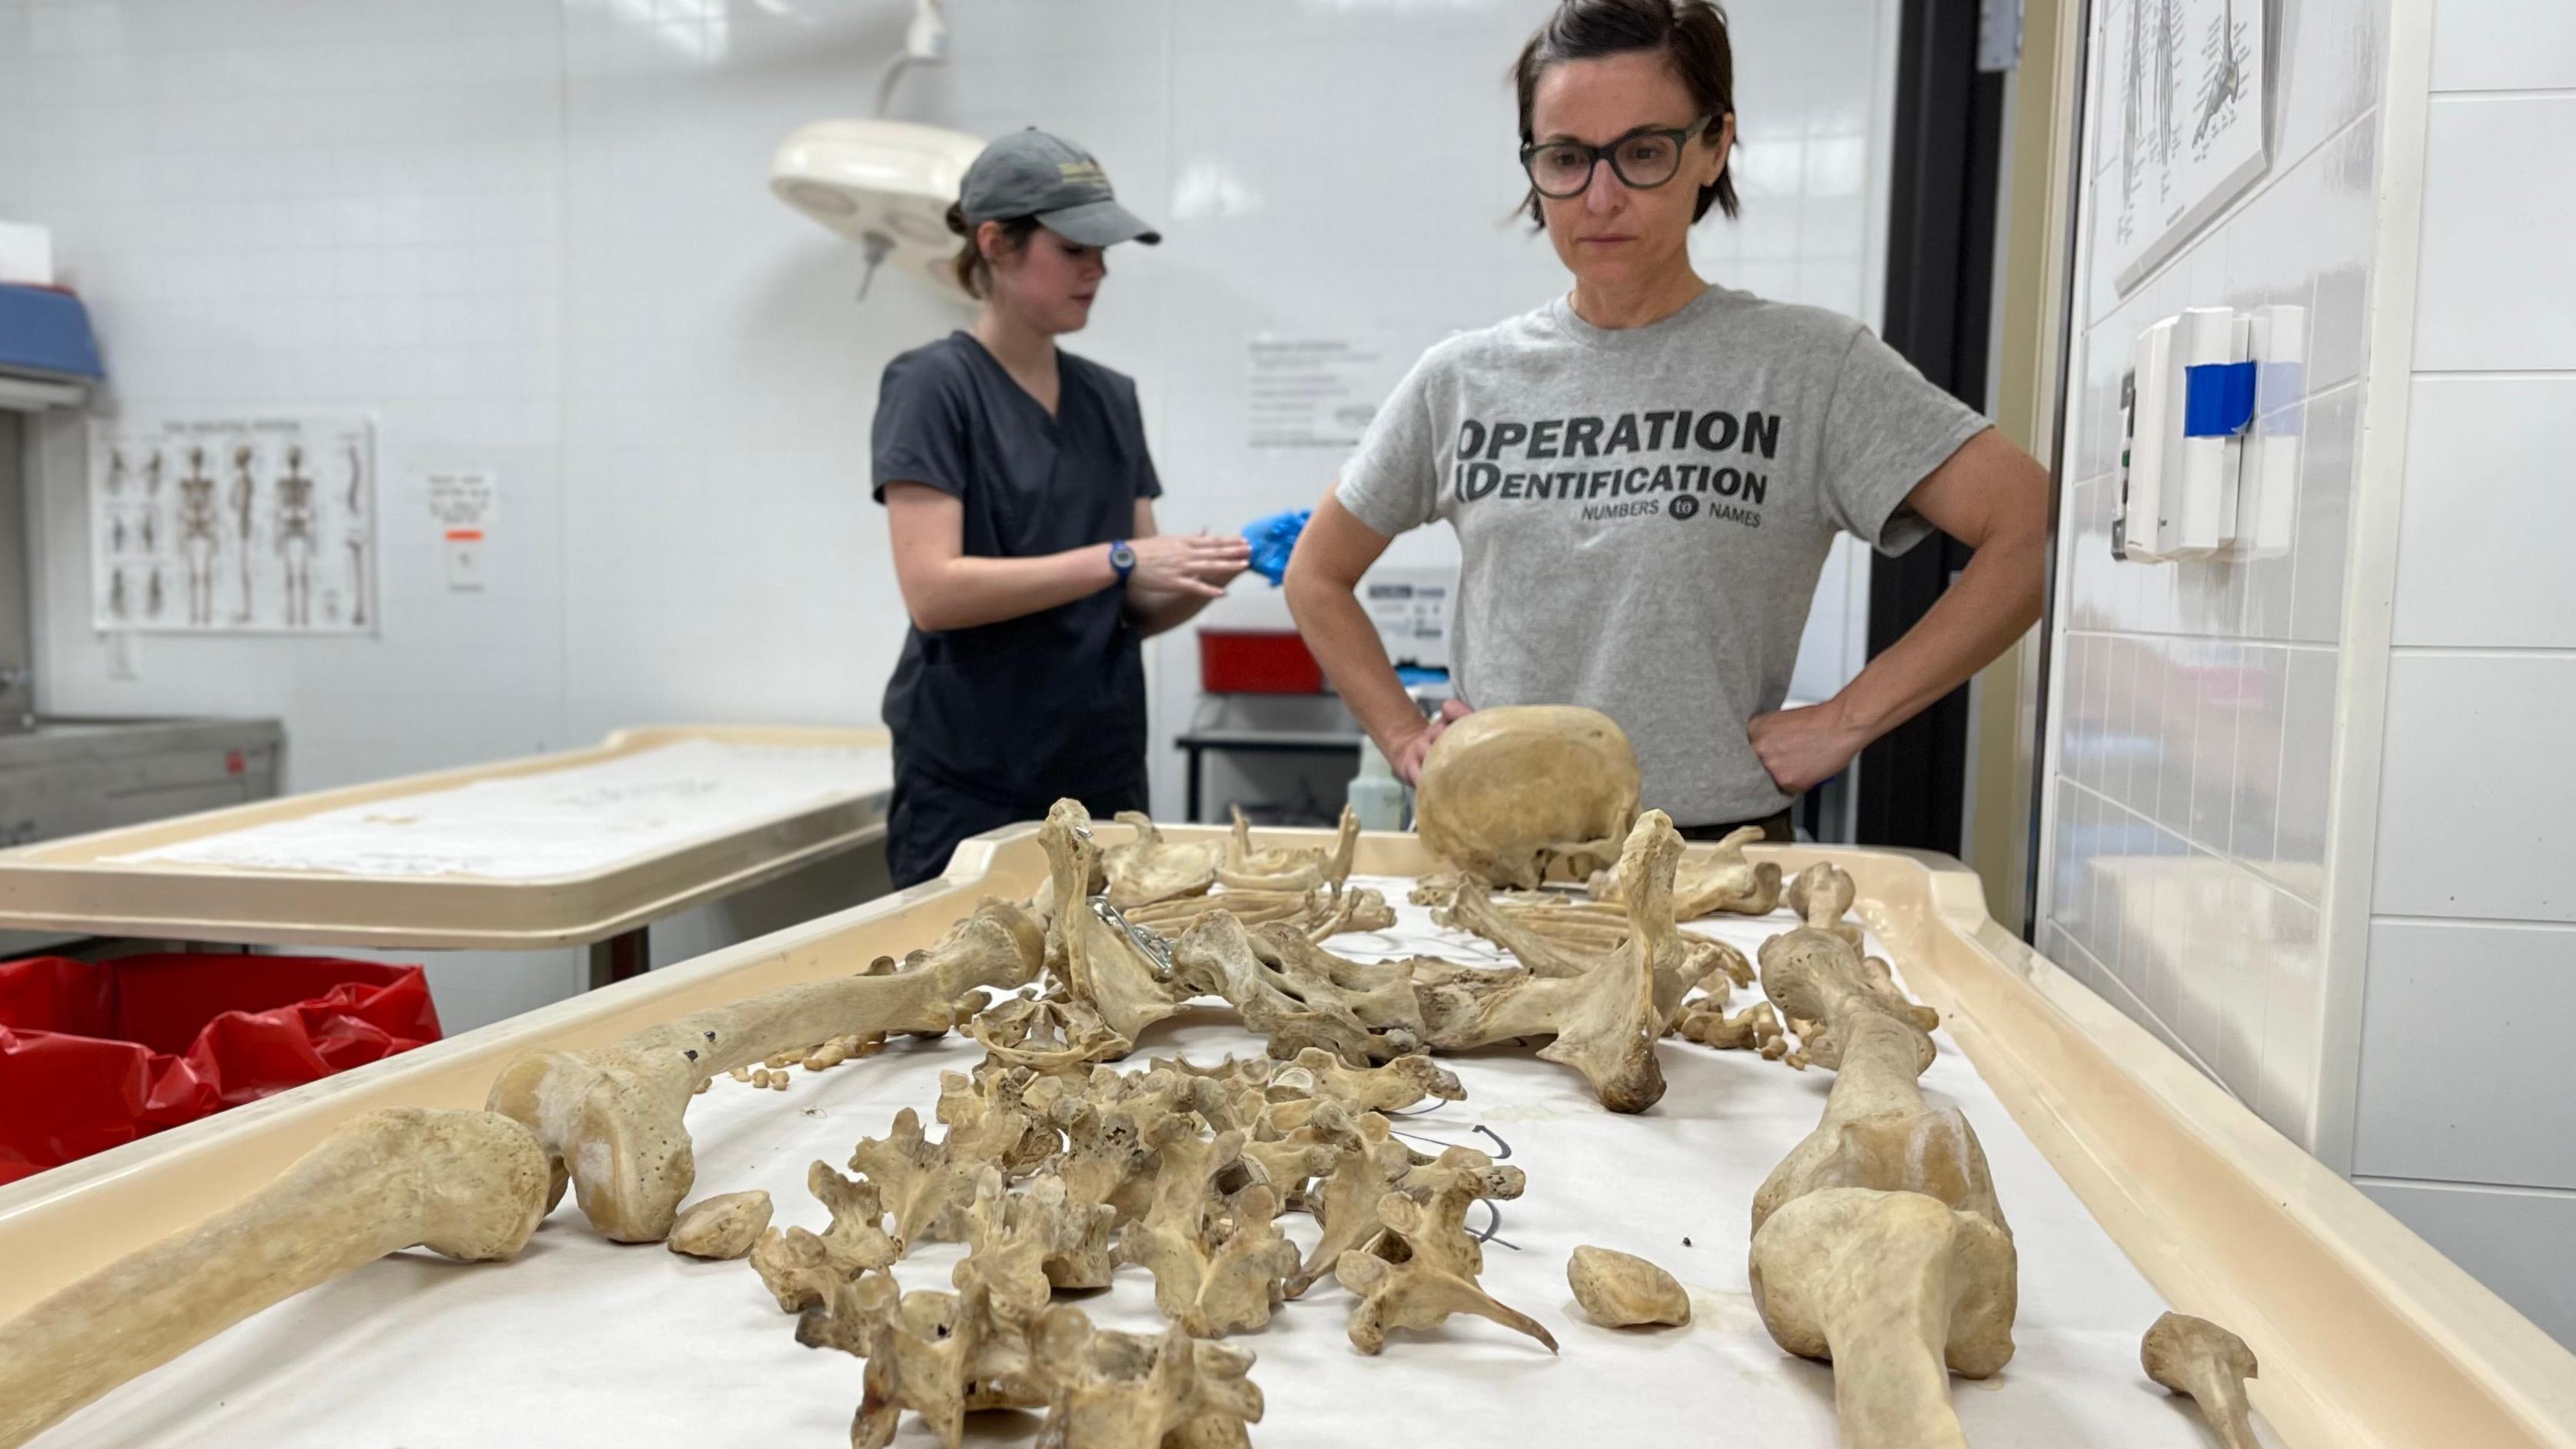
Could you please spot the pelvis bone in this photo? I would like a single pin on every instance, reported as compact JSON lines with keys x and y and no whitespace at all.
{"x":1606,"y":1016}
{"x":1105,"y":965}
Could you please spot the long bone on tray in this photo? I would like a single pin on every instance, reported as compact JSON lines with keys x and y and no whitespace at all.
{"x":610,"y":1119}
{"x":470,"y":1185}
{"x":1878,"y":1244}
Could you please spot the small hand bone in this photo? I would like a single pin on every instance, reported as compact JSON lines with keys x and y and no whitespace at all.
{"x":2197,"y":1357}
{"x":611,"y":1118}
{"x":1897,"y":1291}
{"x":1754,"y":1029}
{"x":1621,"y":1290}
{"x":721,"y":1227}
{"x":469,"y":1185}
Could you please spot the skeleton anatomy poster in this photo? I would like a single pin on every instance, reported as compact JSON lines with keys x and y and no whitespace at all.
{"x":233,"y":525}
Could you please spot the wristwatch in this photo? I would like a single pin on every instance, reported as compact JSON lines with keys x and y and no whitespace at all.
{"x":1123,"y":559}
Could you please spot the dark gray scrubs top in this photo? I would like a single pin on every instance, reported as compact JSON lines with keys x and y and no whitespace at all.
{"x":1052,"y":703}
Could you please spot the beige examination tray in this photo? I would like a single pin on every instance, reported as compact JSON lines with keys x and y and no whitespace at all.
{"x":79,"y":885}
{"x":2368,"y":1336}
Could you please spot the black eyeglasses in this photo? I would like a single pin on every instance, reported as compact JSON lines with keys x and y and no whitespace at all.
{"x":1643,"y":159}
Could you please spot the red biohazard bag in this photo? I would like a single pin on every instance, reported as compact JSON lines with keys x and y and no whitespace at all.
{"x":94,"y":1053}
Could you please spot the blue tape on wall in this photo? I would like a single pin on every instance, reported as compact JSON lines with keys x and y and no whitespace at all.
{"x":42,"y":330}
{"x":2217,"y":399}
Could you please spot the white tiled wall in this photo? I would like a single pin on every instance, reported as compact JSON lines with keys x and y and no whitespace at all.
{"x":2206,"y":715}
{"x":2474,"y":902}
{"x":535,"y":236}
{"x":2186,"y":849}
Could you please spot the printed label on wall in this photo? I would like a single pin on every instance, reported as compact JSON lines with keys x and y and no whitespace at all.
{"x":1317,"y":392}
{"x":2183,"y":132}
{"x":255,"y":524}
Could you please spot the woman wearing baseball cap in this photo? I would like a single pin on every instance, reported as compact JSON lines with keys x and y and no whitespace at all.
{"x":1020,"y":498}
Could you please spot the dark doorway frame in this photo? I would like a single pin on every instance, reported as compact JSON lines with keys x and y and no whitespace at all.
{"x":1946,"y":174}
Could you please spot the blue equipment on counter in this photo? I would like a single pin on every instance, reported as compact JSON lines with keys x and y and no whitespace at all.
{"x":45,"y":331}
{"x":1273,"y":539}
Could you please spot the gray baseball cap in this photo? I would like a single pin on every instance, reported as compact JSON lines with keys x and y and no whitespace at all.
{"x":1030,"y":173}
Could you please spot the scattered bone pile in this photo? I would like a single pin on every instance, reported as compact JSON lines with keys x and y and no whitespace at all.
{"x":1598,"y":1007}
{"x":1878,"y":1243}
{"x":1056,"y":1173}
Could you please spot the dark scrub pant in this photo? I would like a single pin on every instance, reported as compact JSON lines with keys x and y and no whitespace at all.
{"x":927,"y":818}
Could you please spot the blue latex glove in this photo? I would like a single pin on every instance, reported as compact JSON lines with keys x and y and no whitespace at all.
{"x":1273,"y":539}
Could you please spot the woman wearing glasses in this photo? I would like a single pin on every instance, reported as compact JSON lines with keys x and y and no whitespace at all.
{"x":1645,"y":474}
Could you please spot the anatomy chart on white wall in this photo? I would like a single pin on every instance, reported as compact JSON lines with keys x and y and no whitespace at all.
{"x":252,"y":524}
{"x":2182,"y":122}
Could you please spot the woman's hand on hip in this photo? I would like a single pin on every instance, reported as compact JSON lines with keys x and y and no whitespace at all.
{"x":1409,"y":752}
{"x":1196,"y":564}
{"x":1804,"y":747}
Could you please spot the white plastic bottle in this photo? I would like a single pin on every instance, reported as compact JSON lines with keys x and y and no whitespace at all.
{"x":1376,"y":796}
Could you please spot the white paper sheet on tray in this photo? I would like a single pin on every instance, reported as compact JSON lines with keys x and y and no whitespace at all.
{"x":582,"y":1342}
{"x":556,"y":822}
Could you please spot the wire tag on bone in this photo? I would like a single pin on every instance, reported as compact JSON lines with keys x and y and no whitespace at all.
{"x":1156,"y":947}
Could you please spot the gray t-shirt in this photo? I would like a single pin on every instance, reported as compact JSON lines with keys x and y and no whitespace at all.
{"x":1643,"y":513}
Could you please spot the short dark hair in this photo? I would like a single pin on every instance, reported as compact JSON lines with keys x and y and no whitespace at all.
{"x":1691,"y":34}
{"x":973,"y":272}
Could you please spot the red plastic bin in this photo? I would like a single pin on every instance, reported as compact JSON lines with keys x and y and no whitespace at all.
{"x":98,"y":1053}
{"x":1257,"y":661}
